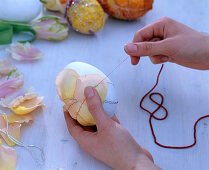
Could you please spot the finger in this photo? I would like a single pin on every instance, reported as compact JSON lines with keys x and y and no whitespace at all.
{"x":134,"y":60}
{"x":115,"y":119}
{"x":147,"y":48}
{"x":150,"y":31}
{"x":76,"y":131}
{"x":159,"y":59}
{"x":95,"y":107}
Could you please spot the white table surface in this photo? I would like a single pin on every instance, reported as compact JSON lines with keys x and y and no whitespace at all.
{"x":186,"y":94}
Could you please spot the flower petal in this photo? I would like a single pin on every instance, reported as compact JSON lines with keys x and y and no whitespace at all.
{"x":20,"y":118}
{"x":11,"y":84}
{"x":16,"y":98}
{"x":66,"y":84}
{"x":6,"y":67}
{"x":24,"y":52}
{"x":14,"y":131}
{"x":27,"y":106}
{"x":8,"y":158}
{"x":51,"y":28}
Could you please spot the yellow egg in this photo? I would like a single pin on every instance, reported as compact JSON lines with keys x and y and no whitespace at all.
{"x":70,"y":85}
{"x":86,"y":16}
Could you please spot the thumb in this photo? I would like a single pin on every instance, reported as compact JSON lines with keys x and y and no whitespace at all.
{"x":146,"y":48}
{"x":95,"y":107}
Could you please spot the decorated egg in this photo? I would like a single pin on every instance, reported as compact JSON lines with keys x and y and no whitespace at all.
{"x":126,"y":9}
{"x":85,"y":16}
{"x":70,"y":85}
{"x":19,"y":10}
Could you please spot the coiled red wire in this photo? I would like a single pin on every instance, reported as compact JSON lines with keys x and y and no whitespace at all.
{"x":160,"y":105}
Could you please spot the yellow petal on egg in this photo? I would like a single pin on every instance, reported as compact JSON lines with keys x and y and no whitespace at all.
{"x":66,"y":83}
{"x":8,"y":158}
{"x":78,"y":108}
{"x":84,"y":117}
{"x":27,"y":106}
{"x":20,"y":118}
{"x":14,"y":131}
{"x":93,"y":80}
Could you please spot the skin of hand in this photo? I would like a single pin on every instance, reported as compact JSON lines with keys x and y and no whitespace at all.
{"x":169,"y":41}
{"x":110,"y":143}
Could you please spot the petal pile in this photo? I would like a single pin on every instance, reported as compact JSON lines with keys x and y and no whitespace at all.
{"x":22,"y":102}
{"x":24,"y":52}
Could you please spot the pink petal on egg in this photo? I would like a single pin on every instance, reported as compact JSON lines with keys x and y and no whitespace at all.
{"x":6,"y":67}
{"x":8,"y":158}
{"x":24,"y":52}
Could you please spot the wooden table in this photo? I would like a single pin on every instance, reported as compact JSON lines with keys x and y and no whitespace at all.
{"x":186,"y":94}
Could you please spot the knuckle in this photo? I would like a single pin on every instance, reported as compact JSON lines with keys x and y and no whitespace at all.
{"x":136,"y":34}
{"x":146,"y":47}
{"x":166,"y":20}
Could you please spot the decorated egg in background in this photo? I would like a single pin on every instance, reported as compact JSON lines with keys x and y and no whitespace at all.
{"x":70,"y":85}
{"x":126,"y":9}
{"x":85,"y":16}
{"x":19,"y":10}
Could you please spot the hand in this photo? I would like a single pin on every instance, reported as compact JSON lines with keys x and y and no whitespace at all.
{"x":168,"y":40}
{"x":111,"y":143}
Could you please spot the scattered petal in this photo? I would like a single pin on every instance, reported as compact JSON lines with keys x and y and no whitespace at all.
{"x":19,"y":118}
{"x":8,"y":101}
{"x":14,"y":131}
{"x":8,"y":158}
{"x":9,"y":85}
{"x":51,"y":28}
{"x":6,"y":67}
{"x":24,"y":52}
{"x":27,"y":105}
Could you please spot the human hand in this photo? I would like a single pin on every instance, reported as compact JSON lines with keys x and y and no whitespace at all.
{"x":111,"y":143}
{"x":168,"y":40}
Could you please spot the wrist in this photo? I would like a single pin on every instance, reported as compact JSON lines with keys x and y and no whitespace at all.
{"x":206,"y":38}
{"x":144,"y":163}
{"x":141,"y":160}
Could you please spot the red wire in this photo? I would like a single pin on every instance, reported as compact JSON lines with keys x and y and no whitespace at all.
{"x":160,"y":105}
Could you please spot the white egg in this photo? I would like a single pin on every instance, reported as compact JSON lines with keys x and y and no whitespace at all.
{"x":111,"y":100}
{"x":19,"y":10}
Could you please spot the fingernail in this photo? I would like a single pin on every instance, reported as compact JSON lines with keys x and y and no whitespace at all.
{"x":131,"y":48}
{"x":164,"y":59}
{"x":89,"y":92}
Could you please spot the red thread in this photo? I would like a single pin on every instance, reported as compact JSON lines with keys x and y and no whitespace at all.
{"x":160,"y":105}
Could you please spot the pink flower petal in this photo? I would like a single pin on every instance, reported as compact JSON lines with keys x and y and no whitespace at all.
{"x":24,"y":52}
{"x":6,"y":67}
{"x":11,"y":84}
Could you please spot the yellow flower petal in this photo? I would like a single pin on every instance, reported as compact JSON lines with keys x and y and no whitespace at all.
{"x":14,"y":131}
{"x":19,"y":118}
{"x":8,"y":158}
{"x":27,"y":106}
{"x":66,"y":83}
{"x":77,"y":108}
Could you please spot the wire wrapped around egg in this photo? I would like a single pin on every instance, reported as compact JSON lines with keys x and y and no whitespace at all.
{"x":126,"y":9}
